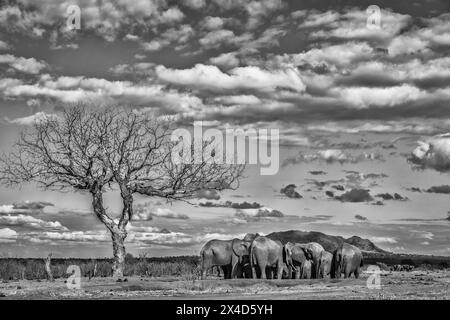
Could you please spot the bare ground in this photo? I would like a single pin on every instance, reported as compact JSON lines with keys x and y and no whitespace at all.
{"x":394,"y":285}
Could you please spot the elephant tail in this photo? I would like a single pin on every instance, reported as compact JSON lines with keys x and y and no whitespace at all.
{"x":362,"y":262}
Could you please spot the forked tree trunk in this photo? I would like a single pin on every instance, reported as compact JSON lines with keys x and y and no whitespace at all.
{"x":118,"y":239}
{"x":118,"y":230}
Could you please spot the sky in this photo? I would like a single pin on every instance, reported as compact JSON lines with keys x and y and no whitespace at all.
{"x":351,"y":100}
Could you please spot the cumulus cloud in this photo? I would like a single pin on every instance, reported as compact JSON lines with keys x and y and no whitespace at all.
{"x":433,"y":153}
{"x":217,"y":38}
{"x":383,"y":240}
{"x":230,"y":204}
{"x":25,"y":65}
{"x":212,"y":23}
{"x":30,"y":120}
{"x":29,"y":207}
{"x":332,"y":55}
{"x":7,"y":235}
{"x":363,"y":97}
{"x":148,"y":211}
{"x":26,"y":221}
{"x":355,"y":195}
{"x":226,"y":60}
{"x":210,"y":77}
{"x":70,"y":236}
{"x":74,"y":89}
{"x":388,"y":196}
{"x":4,"y":45}
{"x":290,"y":192}
{"x":259,"y":214}
{"x":407,"y":44}
{"x":438,"y":189}
{"x":352,"y":24}
{"x":332,"y":156}
{"x":209,"y":194}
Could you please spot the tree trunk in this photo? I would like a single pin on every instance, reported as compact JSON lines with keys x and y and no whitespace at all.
{"x":48,"y":269}
{"x":118,"y":239}
{"x":118,"y":231}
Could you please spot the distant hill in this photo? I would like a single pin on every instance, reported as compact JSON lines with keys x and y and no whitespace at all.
{"x":330,"y":243}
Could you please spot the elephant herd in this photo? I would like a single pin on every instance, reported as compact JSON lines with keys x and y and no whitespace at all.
{"x":257,"y":256}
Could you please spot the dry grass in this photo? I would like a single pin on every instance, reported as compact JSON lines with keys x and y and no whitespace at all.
{"x":186,"y":268}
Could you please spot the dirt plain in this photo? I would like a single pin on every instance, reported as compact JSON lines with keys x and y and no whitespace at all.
{"x":394,"y":285}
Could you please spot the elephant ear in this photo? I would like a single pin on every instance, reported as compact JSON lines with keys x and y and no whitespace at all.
{"x":240,"y":248}
{"x":287,"y":254}
{"x":249,"y":237}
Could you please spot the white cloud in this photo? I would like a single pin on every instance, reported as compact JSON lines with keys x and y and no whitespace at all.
{"x":77,"y":236}
{"x":155,"y":45}
{"x":406,"y":44}
{"x":352,"y":24}
{"x":315,"y":19}
{"x":332,"y":156}
{"x":30,"y":120}
{"x":74,"y":89}
{"x":147,"y":211}
{"x":26,"y":221}
{"x":438,"y":30}
{"x":333,"y":55}
{"x":212,"y":23}
{"x":363,"y":97}
{"x":433,"y":153}
{"x":26,"y":65}
{"x":210,"y":77}
{"x":171,"y":15}
{"x":4,"y":45}
{"x":7,"y":235}
{"x":217,"y":37}
{"x":227,"y":60}
{"x":383,"y":240}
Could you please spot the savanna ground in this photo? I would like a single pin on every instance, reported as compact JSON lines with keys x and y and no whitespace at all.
{"x":178,"y":279}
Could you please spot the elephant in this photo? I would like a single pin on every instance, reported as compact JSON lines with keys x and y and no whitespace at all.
{"x":347,"y":259}
{"x":230,"y":255}
{"x":313,"y":251}
{"x":325,"y":264}
{"x":295,"y":258}
{"x":267,"y":255}
{"x":306,"y":271}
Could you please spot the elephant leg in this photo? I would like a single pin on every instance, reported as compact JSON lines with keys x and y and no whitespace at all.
{"x":262,"y":268}
{"x":234,"y":270}
{"x":356,"y":273}
{"x":289,"y":271}
{"x":224,"y":271}
{"x":205,"y":266}
{"x":297,"y":272}
{"x":229,"y":271}
{"x":346,"y":273}
{"x":317,"y":269}
{"x":254,"y":275}
{"x":280,"y":271}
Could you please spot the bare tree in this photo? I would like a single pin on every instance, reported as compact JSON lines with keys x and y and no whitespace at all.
{"x":96,"y":150}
